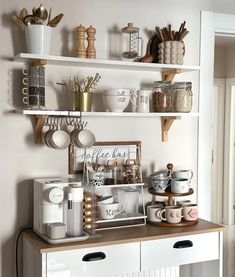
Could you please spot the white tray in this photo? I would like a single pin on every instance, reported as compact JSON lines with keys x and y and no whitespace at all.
{"x":63,"y":240}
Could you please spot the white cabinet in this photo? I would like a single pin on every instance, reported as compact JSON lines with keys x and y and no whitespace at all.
{"x":97,"y":261}
{"x":137,"y":251}
{"x":179,"y":251}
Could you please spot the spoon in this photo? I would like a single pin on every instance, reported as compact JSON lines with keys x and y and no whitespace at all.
{"x":40,"y":13}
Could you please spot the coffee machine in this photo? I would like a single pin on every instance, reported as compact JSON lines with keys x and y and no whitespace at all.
{"x":50,"y":202}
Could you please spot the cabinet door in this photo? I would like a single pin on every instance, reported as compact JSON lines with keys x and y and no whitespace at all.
{"x":179,"y":250}
{"x":93,"y":262}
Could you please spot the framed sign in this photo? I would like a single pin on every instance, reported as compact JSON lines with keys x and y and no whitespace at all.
{"x":101,"y":152}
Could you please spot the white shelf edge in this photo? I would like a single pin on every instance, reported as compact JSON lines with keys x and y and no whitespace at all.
{"x":104,"y":114}
{"x":63,"y":60}
{"x":120,"y":185}
{"x":139,"y":216}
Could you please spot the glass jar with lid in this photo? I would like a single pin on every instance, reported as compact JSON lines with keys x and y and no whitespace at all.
{"x":113,"y":173}
{"x":132,"y":172}
{"x":182,"y":97}
{"x":162,"y":100}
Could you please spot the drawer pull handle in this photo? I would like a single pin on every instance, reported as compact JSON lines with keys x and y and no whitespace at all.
{"x":183,"y":244}
{"x":96,"y":256}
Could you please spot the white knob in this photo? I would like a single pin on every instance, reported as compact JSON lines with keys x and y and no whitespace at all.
{"x":56,"y":195}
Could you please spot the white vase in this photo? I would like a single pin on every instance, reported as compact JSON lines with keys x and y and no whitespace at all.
{"x":38,"y":39}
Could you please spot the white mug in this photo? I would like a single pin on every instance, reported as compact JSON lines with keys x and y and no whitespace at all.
{"x":185,"y":173}
{"x":140,"y":101}
{"x":180,"y":185}
{"x":110,"y":210}
{"x":172,"y":214}
{"x":190,"y":212}
{"x":153,"y":212}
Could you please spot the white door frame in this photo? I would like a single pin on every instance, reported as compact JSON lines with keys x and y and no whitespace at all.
{"x":211,"y":24}
{"x":218,"y":149}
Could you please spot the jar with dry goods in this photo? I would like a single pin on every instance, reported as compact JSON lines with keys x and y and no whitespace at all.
{"x":182,"y":96}
{"x":132,"y":172}
{"x":113,"y":173}
{"x":162,"y":100}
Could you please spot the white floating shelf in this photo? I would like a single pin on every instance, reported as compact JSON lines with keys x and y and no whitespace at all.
{"x":103,"y":114}
{"x":96,"y":63}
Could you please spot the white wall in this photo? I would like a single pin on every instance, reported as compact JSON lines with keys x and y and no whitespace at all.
{"x":22,"y":160}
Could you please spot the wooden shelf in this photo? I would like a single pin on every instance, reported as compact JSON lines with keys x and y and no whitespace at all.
{"x":169,"y":194}
{"x":125,"y":235}
{"x":98,"y":63}
{"x":181,"y":223}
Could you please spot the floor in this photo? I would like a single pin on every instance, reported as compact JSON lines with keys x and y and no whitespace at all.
{"x":229,"y":251}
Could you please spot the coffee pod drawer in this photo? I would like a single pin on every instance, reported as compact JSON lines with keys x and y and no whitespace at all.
{"x":179,"y":250}
{"x":96,"y":261}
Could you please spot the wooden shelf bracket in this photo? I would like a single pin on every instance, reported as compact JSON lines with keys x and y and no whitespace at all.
{"x":39,"y":123}
{"x":166,"y":125}
{"x":39,"y":62}
{"x":169,"y":75}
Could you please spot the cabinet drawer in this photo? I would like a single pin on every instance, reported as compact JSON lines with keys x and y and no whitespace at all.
{"x":179,"y":250}
{"x":98,"y":261}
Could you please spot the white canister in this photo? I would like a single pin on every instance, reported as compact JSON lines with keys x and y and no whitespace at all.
{"x":140,"y":101}
{"x":38,"y":39}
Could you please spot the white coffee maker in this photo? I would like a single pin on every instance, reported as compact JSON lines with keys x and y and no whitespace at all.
{"x":50,"y":202}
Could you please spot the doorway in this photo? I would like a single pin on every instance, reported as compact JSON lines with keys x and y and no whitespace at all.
{"x":214,"y":25}
{"x":223,"y":130}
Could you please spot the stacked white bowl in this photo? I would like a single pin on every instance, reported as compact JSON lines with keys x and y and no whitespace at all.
{"x":116,"y":100}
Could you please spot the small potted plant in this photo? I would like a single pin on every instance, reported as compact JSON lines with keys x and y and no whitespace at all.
{"x":38,"y":28}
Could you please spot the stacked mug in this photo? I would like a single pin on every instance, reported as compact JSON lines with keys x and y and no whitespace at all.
{"x":34,"y":90}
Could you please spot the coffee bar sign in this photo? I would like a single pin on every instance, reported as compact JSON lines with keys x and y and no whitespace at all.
{"x":101,"y":152}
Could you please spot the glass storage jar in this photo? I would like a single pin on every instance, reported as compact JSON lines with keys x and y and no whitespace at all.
{"x":113,"y":173}
{"x":162,"y":100}
{"x":132,"y":174}
{"x":182,"y":96}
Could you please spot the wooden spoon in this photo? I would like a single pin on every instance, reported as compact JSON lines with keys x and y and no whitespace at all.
{"x":18,"y":21}
{"x":53,"y":22}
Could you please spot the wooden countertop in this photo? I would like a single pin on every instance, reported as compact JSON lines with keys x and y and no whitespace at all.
{"x":124,"y":235}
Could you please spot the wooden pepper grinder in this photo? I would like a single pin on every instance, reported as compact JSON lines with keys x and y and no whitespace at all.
{"x":80,"y":35}
{"x":90,"y":51}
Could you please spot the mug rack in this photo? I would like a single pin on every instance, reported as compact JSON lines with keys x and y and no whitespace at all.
{"x":170,"y":195}
{"x":40,"y":122}
{"x":170,"y":202}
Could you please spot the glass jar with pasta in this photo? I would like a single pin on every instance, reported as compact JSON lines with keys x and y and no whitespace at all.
{"x":182,"y":97}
